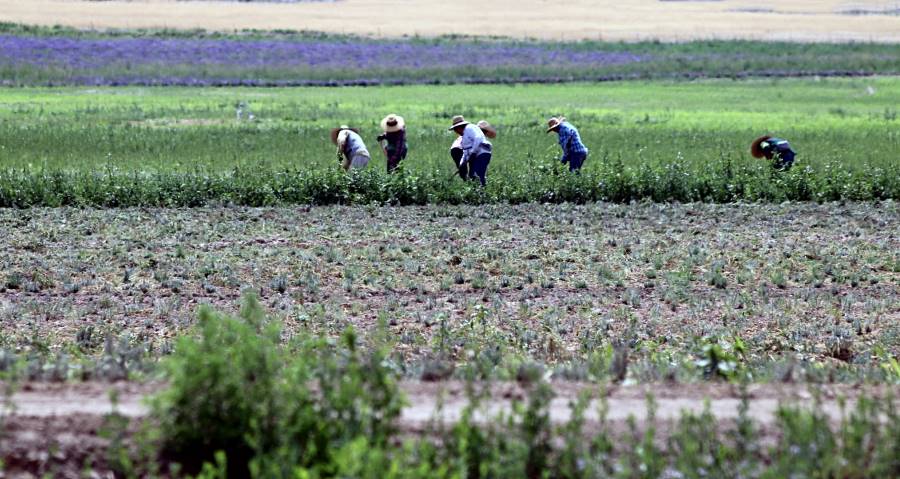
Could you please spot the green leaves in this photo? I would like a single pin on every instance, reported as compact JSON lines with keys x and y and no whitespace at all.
{"x":268,"y":406}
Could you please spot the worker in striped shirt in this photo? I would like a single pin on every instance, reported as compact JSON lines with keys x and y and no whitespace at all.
{"x":574,"y":151}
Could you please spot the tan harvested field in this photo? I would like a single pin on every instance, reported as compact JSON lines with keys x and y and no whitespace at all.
{"x":672,"y":20}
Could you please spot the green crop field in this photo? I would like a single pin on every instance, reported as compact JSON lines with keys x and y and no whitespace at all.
{"x":684,"y":141}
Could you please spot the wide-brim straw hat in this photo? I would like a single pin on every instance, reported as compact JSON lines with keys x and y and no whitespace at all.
{"x":554,"y":123}
{"x":457,"y":122}
{"x":755,"y":149}
{"x":489,"y":131}
{"x":336,"y":131}
{"x":392,"y":123}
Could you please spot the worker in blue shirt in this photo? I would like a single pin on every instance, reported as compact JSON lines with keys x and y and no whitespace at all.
{"x":574,"y":151}
{"x":776,"y":149}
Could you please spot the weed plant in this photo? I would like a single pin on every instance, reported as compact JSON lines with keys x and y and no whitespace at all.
{"x":273,"y":406}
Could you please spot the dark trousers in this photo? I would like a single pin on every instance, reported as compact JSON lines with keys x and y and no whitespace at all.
{"x":576,"y":160}
{"x":456,"y":154}
{"x":478,"y":167}
{"x":783,"y":160}
{"x":394,"y":157}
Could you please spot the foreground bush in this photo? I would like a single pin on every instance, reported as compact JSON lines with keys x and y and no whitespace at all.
{"x":270,"y":406}
{"x":244,"y":402}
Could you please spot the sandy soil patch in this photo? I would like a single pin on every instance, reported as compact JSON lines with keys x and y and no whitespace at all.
{"x":672,"y":20}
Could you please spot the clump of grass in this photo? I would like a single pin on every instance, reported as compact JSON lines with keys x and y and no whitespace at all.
{"x":279,"y":284}
{"x":721,"y":359}
{"x":716,"y":278}
{"x":13,"y":281}
{"x":779,"y":278}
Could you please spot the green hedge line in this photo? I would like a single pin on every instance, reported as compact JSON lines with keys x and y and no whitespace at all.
{"x":723,"y":181}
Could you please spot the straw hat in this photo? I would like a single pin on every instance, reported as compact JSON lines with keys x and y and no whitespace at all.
{"x":554,"y":122}
{"x":392,"y":123}
{"x":755,"y":148}
{"x":457,"y":122}
{"x":489,"y":131}
{"x":336,"y":131}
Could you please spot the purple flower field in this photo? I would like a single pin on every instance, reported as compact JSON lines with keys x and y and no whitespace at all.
{"x":203,"y":61}
{"x":30,"y":56}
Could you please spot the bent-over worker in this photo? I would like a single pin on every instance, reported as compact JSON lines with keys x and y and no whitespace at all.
{"x":573,"y":150}
{"x":456,"y":154}
{"x":776,"y":149}
{"x":476,"y":149}
{"x":351,"y":150}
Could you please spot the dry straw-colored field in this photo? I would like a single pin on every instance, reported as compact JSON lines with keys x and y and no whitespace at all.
{"x":670,"y":20}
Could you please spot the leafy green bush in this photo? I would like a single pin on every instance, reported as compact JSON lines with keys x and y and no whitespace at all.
{"x":269,"y":405}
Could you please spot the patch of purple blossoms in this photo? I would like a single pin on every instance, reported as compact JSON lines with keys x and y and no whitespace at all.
{"x":168,"y":60}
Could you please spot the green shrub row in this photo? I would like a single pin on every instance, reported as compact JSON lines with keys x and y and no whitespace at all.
{"x":614,"y":181}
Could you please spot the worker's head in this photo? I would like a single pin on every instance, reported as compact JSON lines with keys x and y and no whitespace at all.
{"x":336,"y":131}
{"x":553,"y":124}
{"x":486,"y":128}
{"x":392,"y":123}
{"x":756,"y":148}
{"x":458,"y":124}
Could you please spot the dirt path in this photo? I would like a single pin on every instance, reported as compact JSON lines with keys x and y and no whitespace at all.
{"x":54,"y":430}
{"x":95,"y":399}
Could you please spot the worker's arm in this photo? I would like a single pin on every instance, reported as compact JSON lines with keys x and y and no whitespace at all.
{"x":342,"y":156}
{"x":564,"y":138}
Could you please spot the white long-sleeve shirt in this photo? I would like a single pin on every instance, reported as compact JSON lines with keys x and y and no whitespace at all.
{"x":350,"y":144}
{"x":474,"y":143}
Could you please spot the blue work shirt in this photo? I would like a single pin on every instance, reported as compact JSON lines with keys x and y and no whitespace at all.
{"x":570,"y":141}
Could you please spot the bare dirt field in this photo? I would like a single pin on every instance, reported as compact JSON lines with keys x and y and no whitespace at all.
{"x":670,"y":20}
{"x":551,"y":283}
